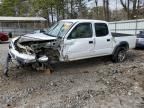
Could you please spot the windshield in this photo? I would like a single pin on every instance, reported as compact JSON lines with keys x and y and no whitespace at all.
{"x":59,"y":29}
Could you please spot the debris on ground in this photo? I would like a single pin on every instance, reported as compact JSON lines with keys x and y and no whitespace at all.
{"x":91,"y":83}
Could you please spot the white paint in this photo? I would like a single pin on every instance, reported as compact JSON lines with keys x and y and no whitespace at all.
{"x":75,"y":49}
{"x":26,"y":57}
{"x":40,"y":36}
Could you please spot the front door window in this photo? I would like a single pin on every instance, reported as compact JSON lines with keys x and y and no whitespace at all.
{"x":82,"y":30}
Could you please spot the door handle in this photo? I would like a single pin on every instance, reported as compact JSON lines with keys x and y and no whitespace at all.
{"x":91,"y":42}
{"x":108,"y":40}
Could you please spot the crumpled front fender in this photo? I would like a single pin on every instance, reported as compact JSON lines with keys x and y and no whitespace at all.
{"x":22,"y":58}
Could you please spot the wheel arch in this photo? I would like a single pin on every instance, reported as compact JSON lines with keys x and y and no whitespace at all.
{"x":121,"y":44}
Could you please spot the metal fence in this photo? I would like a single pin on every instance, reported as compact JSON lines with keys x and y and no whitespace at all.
{"x":21,"y":28}
{"x":21,"y":25}
{"x":17,"y":31}
{"x":128,"y":26}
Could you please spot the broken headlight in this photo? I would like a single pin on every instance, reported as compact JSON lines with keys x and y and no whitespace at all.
{"x":43,"y":59}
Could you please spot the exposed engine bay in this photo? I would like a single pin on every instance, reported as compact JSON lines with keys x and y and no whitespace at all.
{"x":38,"y":53}
{"x":39,"y":48}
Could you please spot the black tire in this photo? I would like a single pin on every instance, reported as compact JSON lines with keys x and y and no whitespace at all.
{"x":119,"y":55}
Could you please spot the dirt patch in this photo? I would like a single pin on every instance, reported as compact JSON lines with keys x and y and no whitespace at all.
{"x":90,"y":83}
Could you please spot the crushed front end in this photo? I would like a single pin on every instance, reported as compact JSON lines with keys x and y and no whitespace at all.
{"x":39,"y":49}
{"x":38,"y":53}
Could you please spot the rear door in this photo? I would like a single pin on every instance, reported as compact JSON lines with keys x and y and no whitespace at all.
{"x":80,"y":42}
{"x":103,"y":39}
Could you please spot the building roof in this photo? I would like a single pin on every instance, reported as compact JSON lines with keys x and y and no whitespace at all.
{"x":5,"y":18}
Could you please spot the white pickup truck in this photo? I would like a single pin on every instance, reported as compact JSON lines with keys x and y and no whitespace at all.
{"x":69,"y":40}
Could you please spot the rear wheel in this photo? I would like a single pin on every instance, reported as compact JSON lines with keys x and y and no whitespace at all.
{"x":119,"y":55}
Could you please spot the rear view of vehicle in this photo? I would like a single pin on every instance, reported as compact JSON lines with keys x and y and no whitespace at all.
{"x":140,"y":40}
{"x":3,"y":37}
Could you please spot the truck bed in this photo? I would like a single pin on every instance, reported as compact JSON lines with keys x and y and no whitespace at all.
{"x":120,"y":34}
{"x":119,"y":37}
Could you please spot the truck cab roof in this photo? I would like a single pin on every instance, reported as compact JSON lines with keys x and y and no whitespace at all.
{"x":84,"y":20}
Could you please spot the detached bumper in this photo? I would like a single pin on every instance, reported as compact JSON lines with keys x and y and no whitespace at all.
{"x":22,"y":58}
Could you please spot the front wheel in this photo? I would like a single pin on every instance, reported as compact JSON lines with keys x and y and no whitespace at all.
{"x":119,"y":55}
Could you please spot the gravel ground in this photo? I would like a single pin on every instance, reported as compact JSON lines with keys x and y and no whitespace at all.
{"x":3,"y":52}
{"x":90,"y":83}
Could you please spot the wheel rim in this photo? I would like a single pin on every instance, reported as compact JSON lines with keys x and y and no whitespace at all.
{"x":121,"y":55}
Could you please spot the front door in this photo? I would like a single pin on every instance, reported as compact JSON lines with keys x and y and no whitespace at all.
{"x":80,"y":42}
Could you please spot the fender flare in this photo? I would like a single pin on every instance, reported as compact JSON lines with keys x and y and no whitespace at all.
{"x":121,"y":44}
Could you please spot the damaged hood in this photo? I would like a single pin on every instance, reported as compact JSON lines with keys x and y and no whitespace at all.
{"x":39,"y":36}
{"x":35,"y":37}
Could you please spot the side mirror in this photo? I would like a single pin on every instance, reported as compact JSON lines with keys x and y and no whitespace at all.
{"x":42,"y":31}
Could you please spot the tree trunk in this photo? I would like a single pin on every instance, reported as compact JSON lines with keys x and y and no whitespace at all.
{"x":71,"y":8}
{"x":108,"y":10}
{"x":51,"y":9}
{"x":57,"y":12}
{"x":104,"y":9}
{"x":96,"y":2}
{"x":63,"y":9}
{"x":67,"y":9}
{"x":131,"y":13}
{"x":48,"y":19}
{"x":80,"y":8}
{"x":128,"y":10}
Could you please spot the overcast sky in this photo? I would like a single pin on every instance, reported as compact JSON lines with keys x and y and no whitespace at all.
{"x":112,"y":4}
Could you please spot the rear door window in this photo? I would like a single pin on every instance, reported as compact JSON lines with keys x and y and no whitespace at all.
{"x":101,"y":29}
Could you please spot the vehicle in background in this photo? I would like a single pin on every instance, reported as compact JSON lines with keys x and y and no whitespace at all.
{"x":140,"y":40}
{"x":3,"y":37}
{"x":69,"y":40}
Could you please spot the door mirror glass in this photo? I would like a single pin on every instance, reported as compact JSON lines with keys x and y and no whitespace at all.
{"x":82,"y":30}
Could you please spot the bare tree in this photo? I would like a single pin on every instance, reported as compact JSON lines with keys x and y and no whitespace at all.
{"x":131,"y":12}
{"x":106,"y":9}
{"x":96,"y":2}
